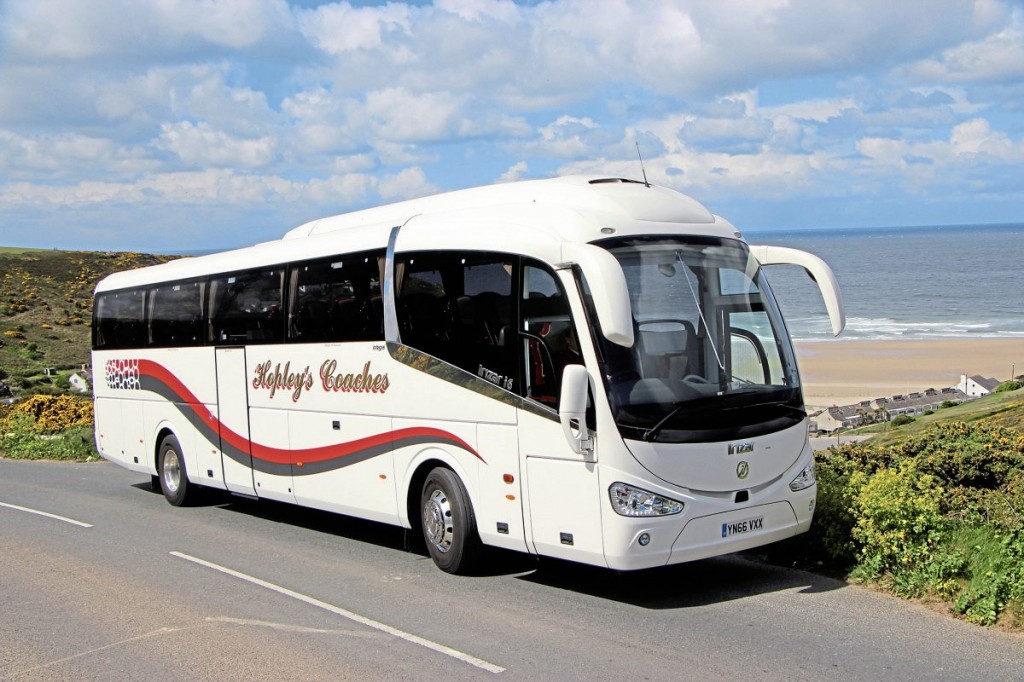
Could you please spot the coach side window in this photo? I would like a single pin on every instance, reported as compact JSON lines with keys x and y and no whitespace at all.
{"x":245,"y":307}
{"x":120,"y":319}
{"x":549,"y":341}
{"x":337,"y":299}
{"x":458,"y":307}
{"x":176,"y":314}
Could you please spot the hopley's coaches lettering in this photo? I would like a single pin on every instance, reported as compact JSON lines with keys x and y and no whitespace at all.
{"x":363,"y":382}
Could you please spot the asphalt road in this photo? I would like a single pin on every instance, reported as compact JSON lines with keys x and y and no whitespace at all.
{"x":244,"y":590}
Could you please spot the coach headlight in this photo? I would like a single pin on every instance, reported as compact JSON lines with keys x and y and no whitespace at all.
{"x":805,"y":479}
{"x":630,"y":501}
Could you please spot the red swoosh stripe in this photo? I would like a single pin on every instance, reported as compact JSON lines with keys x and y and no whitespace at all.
{"x":398,"y":438}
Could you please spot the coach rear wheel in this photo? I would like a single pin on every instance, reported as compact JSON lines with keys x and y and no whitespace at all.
{"x":448,"y":524}
{"x":171,"y":468}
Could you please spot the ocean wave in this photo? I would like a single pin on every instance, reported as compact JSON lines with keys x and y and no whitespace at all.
{"x":886,"y":328}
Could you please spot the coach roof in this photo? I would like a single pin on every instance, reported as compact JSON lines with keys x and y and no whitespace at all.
{"x":615,"y":199}
{"x":543,"y":213}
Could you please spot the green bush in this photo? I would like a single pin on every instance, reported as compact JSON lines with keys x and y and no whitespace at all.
{"x":56,"y":413}
{"x":903,"y":419}
{"x":938,"y":514}
{"x":20,"y":438}
{"x":995,"y":565}
{"x":1007,"y":386}
{"x":899,"y":526}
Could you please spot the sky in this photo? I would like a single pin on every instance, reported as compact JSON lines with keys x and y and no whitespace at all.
{"x":178,"y":125}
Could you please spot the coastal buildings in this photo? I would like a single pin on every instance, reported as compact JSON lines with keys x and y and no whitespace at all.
{"x":885,"y":409}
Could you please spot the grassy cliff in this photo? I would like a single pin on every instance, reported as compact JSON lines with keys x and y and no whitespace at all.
{"x":46,"y":307}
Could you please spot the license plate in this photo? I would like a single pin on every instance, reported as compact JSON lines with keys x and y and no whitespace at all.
{"x":741,"y":527}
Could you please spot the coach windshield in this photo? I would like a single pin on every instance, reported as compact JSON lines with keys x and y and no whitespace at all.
{"x":711,"y":358}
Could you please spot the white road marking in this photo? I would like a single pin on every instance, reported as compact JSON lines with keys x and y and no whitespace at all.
{"x":248,"y":622}
{"x":47,"y":515}
{"x":344,"y":613}
{"x":154,"y":633}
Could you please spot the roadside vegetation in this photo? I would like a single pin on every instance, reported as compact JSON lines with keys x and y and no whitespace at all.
{"x":58,"y":427}
{"x":932,"y":508}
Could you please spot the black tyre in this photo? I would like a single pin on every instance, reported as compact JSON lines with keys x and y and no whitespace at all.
{"x":170,"y":464}
{"x":449,"y":527}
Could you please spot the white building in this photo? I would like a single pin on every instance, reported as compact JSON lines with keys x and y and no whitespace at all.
{"x":79,"y":382}
{"x":976,"y":386}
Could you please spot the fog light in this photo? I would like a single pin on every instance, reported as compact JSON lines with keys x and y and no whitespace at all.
{"x":644,"y":539}
{"x":630,"y":501}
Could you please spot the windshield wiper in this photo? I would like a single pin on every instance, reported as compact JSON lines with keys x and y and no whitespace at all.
{"x":652,"y":433}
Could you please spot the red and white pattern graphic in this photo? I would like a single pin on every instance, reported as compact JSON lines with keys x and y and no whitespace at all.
{"x":122,"y":374}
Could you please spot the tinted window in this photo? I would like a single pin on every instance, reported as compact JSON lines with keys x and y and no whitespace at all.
{"x":245,"y":307}
{"x":337,"y":299}
{"x":176,"y":314}
{"x":549,"y":341}
{"x":459,"y":307}
{"x":119,"y":320}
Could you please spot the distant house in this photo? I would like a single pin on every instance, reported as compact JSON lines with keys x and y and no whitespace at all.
{"x":79,"y":382}
{"x":844,"y":417}
{"x":976,"y":386}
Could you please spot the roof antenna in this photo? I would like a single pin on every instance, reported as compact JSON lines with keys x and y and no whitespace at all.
{"x":646,"y":184}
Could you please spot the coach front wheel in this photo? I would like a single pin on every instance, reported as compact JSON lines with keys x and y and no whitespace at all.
{"x":171,"y":467}
{"x":447,"y":520}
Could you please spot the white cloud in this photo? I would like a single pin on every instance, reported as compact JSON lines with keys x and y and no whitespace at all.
{"x":401,"y":116}
{"x":407,"y":184}
{"x":202,"y":146}
{"x":67,"y":155}
{"x":69,"y":29}
{"x":568,"y":137}
{"x":339,"y":190}
{"x":965,"y":143}
{"x":340,"y":28}
{"x":820,"y":110}
{"x":977,"y":137}
{"x":995,"y":57}
{"x":224,"y":104}
{"x":516,"y":171}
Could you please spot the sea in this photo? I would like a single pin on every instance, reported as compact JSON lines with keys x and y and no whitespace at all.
{"x":964,"y":281}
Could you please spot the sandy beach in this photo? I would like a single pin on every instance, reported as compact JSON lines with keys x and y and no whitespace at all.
{"x":845,"y":372}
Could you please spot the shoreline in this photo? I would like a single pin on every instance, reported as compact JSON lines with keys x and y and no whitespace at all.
{"x":844,"y":372}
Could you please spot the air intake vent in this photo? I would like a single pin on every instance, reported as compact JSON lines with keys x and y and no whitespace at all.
{"x":605,"y":181}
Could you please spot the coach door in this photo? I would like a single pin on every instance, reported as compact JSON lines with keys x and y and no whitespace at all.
{"x":563,"y":489}
{"x":233,"y":420}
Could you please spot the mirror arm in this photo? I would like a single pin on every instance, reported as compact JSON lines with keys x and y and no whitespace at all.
{"x":819,"y":271}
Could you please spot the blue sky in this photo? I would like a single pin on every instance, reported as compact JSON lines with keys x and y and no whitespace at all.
{"x":184,"y":124}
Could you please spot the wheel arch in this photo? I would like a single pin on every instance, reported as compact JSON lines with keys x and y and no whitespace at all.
{"x":162,"y":431}
{"x":419,"y":469}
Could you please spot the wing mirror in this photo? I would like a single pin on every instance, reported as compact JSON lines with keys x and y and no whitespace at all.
{"x":611,"y":295}
{"x":572,"y":409}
